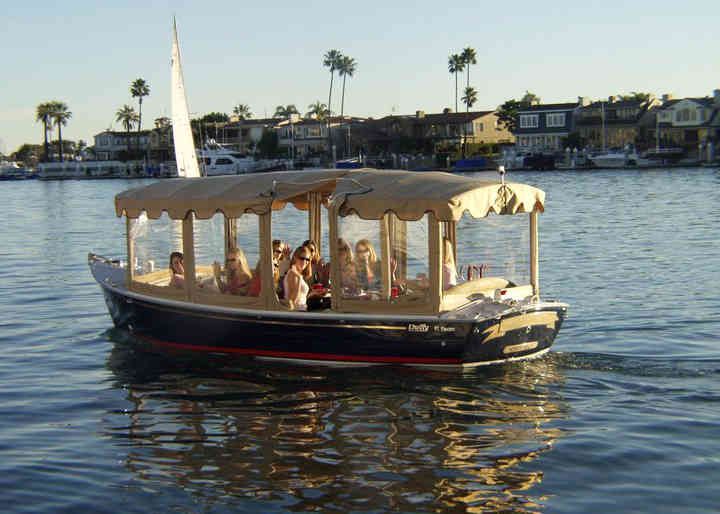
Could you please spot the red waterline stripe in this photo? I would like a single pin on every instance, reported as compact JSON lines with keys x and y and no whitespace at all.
{"x":302,"y":355}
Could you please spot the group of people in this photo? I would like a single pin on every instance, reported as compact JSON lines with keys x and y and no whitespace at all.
{"x":302,"y":273}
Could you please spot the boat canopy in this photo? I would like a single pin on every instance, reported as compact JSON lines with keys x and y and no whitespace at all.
{"x":368,"y":193}
{"x":409,"y":195}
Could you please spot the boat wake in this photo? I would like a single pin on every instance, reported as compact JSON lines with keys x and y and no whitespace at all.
{"x":640,"y":365}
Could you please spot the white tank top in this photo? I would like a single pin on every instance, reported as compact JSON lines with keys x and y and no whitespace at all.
{"x":301,"y":305}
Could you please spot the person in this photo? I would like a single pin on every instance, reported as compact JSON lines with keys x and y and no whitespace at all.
{"x":237,"y":273}
{"x":281,"y":257}
{"x":177,"y":270}
{"x":317,"y":265}
{"x":449,"y":269}
{"x":295,"y":281}
{"x":367,"y":265}
{"x":348,"y":275}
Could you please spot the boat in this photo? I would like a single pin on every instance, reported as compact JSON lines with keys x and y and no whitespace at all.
{"x":411,"y":314}
{"x":11,"y":170}
{"x":217,"y":159}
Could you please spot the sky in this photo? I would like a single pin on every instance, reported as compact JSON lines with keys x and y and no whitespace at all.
{"x":86,"y":53}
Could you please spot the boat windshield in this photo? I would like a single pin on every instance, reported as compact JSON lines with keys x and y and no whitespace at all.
{"x":495,"y":247}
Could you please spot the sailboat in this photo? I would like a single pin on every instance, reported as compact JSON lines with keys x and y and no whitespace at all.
{"x":185,"y":154}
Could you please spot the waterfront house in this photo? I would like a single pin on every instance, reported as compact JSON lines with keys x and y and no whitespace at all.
{"x":432,"y":133}
{"x":118,"y":146}
{"x":244,"y":135}
{"x":542,"y":128}
{"x":688,"y":123}
{"x":613,"y":123}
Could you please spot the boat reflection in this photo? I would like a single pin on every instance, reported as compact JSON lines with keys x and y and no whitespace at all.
{"x":307,"y":438}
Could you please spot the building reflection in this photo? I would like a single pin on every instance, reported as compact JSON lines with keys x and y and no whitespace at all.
{"x":369,"y":439}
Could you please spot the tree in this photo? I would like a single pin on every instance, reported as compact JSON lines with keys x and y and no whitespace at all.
{"x":331,"y":60}
{"x":268,"y":145}
{"x":242,"y":111}
{"x":128,"y":117}
{"x":215,"y":117}
{"x":469,"y":57}
{"x":346,"y":68}
{"x":60,"y":115}
{"x":162,"y":122}
{"x":455,"y":66}
{"x":469,"y":99}
{"x":636,"y":97}
{"x":318,"y":110}
{"x":43,"y":114}
{"x":139,"y":89}
{"x":284,"y":111}
{"x":28,"y":154}
{"x":507,"y":114}
{"x":529,"y":99}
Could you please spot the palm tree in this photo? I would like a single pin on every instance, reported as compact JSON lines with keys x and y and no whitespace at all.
{"x":455,"y":66}
{"x":346,"y":68}
{"x":138,"y":89}
{"x":468,"y":57}
{"x":284,"y":111}
{"x":128,"y":117}
{"x":331,"y":60}
{"x":242,"y":111}
{"x":318,"y":110}
{"x":60,"y":115}
{"x":43,"y":114}
{"x":469,"y":99}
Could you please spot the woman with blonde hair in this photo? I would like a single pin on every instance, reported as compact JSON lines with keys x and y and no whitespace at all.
{"x":237,"y":273}
{"x":348,"y":274}
{"x":367,"y":265}
{"x":294,"y":284}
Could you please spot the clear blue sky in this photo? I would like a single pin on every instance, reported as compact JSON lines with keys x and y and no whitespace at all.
{"x":270,"y":53}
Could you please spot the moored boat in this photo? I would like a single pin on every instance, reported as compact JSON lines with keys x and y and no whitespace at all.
{"x":410,"y":313}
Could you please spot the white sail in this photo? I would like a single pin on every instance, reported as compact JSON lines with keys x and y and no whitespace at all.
{"x":185,"y":155}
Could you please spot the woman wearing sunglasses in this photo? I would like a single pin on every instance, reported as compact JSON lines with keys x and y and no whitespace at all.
{"x":295,"y":282}
{"x":237,"y":273}
{"x":367,"y":265}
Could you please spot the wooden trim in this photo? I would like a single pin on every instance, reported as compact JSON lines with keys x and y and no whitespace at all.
{"x":534,"y":258}
{"x":130,"y":268}
{"x":267,"y":292}
{"x":335,"y":279}
{"x":435,"y":251}
{"x":188,"y":232}
{"x":386,"y":256}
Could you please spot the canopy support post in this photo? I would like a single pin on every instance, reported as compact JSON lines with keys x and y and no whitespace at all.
{"x":267,"y":284}
{"x":386,"y":256}
{"x":188,"y":232}
{"x":435,"y":250}
{"x":450,"y":231}
{"x":335,"y":279}
{"x":534,"y":260}
{"x":130,"y":268}
{"x":230,"y":234}
{"x":315,"y":225}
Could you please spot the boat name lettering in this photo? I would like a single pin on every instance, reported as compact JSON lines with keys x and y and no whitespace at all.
{"x":420,"y":327}
{"x":439,"y":328}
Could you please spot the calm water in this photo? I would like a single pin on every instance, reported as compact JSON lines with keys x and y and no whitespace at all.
{"x":623,"y":416}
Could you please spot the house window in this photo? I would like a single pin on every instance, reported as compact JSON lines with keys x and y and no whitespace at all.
{"x":529,"y":120}
{"x":556,"y":119}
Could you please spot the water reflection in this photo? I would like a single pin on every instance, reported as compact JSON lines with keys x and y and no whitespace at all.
{"x":310,"y":438}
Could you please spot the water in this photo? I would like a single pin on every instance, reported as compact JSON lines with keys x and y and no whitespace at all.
{"x":623,"y":415}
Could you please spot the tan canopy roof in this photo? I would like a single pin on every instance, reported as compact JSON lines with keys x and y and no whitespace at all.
{"x":410,"y":195}
{"x":233,"y":195}
{"x":367,"y":193}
